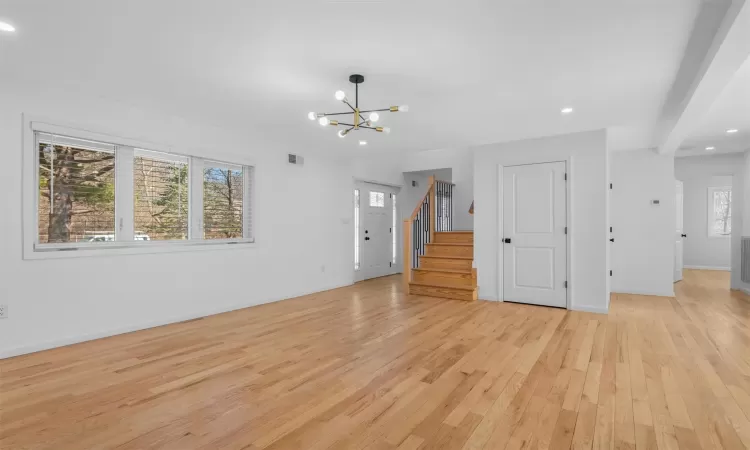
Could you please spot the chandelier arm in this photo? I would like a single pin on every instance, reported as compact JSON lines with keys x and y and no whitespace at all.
{"x":375,"y":110}
{"x":346,"y":124}
{"x":337,"y":114}
{"x":369,"y":128}
{"x":349,"y":105}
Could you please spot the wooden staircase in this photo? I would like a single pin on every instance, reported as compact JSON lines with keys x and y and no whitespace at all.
{"x":437,"y":263}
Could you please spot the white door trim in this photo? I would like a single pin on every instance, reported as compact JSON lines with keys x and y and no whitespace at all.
{"x":568,"y":218}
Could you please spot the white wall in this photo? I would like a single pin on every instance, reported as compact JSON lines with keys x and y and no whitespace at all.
{"x":699,"y":174}
{"x":643,"y":251}
{"x":412,"y":195}
{"x":55,"y":302}
{"x":588,"y":184}
{"x":460,"y":161}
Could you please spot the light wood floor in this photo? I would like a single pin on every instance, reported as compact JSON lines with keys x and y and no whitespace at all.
{"x":366,"y":367}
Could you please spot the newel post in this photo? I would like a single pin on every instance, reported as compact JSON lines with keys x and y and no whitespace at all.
{"x":433,"y":208}
{"x":407,"y":254}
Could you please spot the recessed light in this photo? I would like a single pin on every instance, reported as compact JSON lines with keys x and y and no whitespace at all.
{"x":362,"y":142}
{"x":732,"y":130}
{"x":710,"y":148}
{"x":566,"y":110}
{"x":4,"y":26}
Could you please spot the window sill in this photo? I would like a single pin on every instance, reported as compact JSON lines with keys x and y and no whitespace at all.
{"x":84,"y":249}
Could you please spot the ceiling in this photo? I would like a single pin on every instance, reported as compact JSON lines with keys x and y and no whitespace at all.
{"x":472,"y":71}
{"x":731,"y":110}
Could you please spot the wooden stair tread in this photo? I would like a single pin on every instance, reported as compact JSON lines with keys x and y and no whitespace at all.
{"x":452,"y":244}
{"x":443,"y":286}
{"x":467,"y":272}
{"x":454,"y":232}
{"x":448,"y":257}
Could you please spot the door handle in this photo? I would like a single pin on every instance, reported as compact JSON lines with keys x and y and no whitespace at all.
{"x":506,"y":240}
{"x":367,"y":238}
{"x":684,"y":235}
{"x":612,"y":240}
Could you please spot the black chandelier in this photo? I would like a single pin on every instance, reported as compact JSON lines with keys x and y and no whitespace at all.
{"x":359,"y":121}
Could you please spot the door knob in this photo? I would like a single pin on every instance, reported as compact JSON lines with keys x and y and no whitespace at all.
{"x":612,"y":240}
{"x":367,"y":238}
{"x":684,"y":235}
{"x":507,"y":240}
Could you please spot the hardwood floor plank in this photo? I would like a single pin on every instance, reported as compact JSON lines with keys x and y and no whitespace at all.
{"x":367,"y":367}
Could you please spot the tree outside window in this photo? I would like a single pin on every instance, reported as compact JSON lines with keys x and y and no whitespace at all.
{"x":720,"y":211}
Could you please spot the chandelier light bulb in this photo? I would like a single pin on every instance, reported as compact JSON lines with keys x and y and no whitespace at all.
{"x":8,"y":28}
{"x":312,"y":115}
{"x":374,"y":117}
{"x":403,"y":108}
{"x":340,"y":95}
{"x":323,"y":121}
{"x":342,"y":133}
{"x":362,"y":143}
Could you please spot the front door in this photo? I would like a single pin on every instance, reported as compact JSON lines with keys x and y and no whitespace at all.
{"x":376,"y":237}
{"x":678,"y":244}
{"x":534,"y":234}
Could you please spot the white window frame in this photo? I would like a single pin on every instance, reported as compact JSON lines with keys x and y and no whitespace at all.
{"x":124,"y":242}
{"x":710,"y":210}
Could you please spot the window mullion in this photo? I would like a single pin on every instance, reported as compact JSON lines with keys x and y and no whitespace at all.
{"x":124,"y":228}
{"x":195,"y":205}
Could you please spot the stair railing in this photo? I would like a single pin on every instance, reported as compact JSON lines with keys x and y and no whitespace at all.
{"x":433,"y":213}
{"x":444,"y":205}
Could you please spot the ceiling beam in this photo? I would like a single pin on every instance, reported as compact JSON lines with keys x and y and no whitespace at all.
{"x":728,"y":51}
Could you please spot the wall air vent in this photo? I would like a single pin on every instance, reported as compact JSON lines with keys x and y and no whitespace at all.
{"x":296,"y":159}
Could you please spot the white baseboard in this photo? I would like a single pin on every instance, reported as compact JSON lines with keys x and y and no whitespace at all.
{"x":69,"y":340}
{"x":590,"y":309}
{"x":727,"y":269}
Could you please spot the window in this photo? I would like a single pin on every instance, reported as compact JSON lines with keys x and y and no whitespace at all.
{"x":377,"y":199}
{"x":719,"y":211}
{"x":90,"y":193}
{"x":76,"y":197}
{"x":222,"y":201}
{"x":160,"y":204}
{"x":356,"y":229}
{"x":393,"y":230}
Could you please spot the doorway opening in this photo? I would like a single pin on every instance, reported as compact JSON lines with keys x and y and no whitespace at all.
{"x":703,"y":238}
{"x":375,"y":230}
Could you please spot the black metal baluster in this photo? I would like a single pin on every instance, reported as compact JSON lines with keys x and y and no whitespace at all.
{"x":441,"y":207}
{"x":450,"y":208}
{"x":428,"y":222}
{"x":415,"y":233}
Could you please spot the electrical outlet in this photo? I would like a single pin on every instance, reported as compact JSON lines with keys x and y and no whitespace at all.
{"x":3,"y":311}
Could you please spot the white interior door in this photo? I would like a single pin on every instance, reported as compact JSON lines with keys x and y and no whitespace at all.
{"x":376,"y":237}
{"x":534,"y":228}
{"x":678,"y":245}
